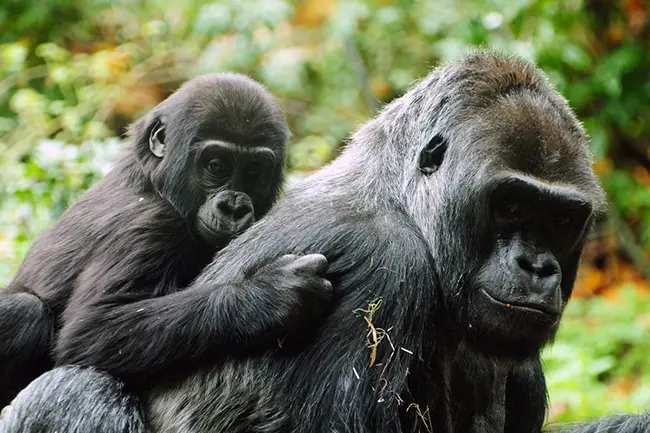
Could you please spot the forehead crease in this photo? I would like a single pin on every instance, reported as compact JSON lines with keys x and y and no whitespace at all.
{"x":228,"y":116}
{"x":532,"y":138}
{"x":236,"y":130}
{"x":238,"y":148}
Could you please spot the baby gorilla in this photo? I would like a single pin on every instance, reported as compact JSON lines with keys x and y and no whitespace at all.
{"x":201,"y":168}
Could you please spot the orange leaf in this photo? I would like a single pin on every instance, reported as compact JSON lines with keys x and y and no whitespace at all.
{"x":637,"y":14}
{"x":615,"y":33}
{"x":641,"y":174}
{"x":313,"y":13}
{"x":138,"y":97}
{"x":603,"y":166}
{"x":623,"y":387}
{"x":590,"y":280}
{"x":380,"y":88}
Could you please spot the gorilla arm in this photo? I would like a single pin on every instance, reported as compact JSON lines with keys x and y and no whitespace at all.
{"x":136,"y":339}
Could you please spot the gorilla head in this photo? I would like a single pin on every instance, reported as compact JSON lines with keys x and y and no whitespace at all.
{"x":215,"y":151}
{"x":500,"y":182}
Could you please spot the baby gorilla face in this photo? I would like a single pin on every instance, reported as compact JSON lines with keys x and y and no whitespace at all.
{"x":236,"y":182}
{"x":216,"y":153}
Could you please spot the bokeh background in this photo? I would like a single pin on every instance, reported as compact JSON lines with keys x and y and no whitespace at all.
{"x":73,"y":74}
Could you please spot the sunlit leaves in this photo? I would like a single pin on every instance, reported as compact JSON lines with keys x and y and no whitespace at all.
{"x":311,"y":153}
{"x":213,"y":19}
{"x":13,"y":56}
{"x":51,"y":52}
{"x":37,"y":190}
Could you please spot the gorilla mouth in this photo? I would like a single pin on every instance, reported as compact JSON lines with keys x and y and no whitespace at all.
{"x":530,"y":307}
{"x":219,"y":234}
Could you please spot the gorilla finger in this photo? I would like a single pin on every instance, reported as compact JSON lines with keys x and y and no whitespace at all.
{"x":284,"y":260}
{"x":312,"y":263}
{"x":318,"y":287}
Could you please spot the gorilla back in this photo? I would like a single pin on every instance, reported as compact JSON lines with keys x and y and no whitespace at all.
{"x":453,"y":224}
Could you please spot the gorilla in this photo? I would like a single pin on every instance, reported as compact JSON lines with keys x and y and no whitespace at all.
{"x":453,"y":224}
{"x":203,"y":166}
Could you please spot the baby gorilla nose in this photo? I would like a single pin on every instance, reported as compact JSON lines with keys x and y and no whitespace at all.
{"x":224,"y":216}
{"x":234,"y":209}
{"x":236,"y":205}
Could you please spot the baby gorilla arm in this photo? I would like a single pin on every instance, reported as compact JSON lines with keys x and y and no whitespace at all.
{"x":136,"y":340}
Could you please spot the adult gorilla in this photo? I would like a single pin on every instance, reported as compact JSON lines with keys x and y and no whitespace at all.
{"x":453,"y":223}
{"x":203,"y":166}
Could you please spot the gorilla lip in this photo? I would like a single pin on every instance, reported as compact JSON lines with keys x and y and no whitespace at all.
{"x":525,"y":306}
{"x":222,"y":234}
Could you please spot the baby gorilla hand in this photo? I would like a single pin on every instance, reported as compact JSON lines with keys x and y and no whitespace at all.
{"x":298,"y":286}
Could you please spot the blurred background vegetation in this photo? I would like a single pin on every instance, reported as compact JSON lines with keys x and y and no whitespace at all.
{"x":73,"y":74}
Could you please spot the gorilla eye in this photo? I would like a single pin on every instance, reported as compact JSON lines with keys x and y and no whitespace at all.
{"x":432,"y":155}
{"x":217,"y":168}
{"x":563,"y":220}
{"x":509,"y":209}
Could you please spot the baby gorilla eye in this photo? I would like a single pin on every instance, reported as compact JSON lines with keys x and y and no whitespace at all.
{"x":217,"y":167}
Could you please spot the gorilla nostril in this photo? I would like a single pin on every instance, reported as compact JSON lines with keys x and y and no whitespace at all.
{"x":541,"y":267}
{"x":224,"y":207}
{"x":525,"y":264}
{"x":242,"y":211}
{"x":547,"y":270}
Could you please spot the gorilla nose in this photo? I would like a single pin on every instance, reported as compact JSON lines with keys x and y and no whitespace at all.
{"x":540,"y":270}
{"x":541,"y":265}
{"x":235,"y":206}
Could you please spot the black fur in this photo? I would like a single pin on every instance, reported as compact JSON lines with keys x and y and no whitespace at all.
{"x":146,"y":230}
{"x":418,"y":245}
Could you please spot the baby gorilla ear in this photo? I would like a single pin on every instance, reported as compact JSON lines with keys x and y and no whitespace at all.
{"x":157,"y":139}
{"x":432,"y":155}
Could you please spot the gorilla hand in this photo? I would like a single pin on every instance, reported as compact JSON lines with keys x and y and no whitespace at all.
{"x":299,"y":290}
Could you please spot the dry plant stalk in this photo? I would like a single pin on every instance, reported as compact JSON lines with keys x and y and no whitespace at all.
{"x":375,"y":334}
{"x":425,"y":417}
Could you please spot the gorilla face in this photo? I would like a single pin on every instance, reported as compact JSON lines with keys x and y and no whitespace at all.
{"x":524,"y":192}
{"x":535,"y":233}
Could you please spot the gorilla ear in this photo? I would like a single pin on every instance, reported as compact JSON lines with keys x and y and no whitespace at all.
{"x":157,"y":139}
{"x":432,"y":155}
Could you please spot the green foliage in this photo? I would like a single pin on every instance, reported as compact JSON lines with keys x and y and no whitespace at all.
{"x":599,"y":365}
{"x":632,"y":200}
{"x":36,"y":191}
{"x":73,"y":74}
